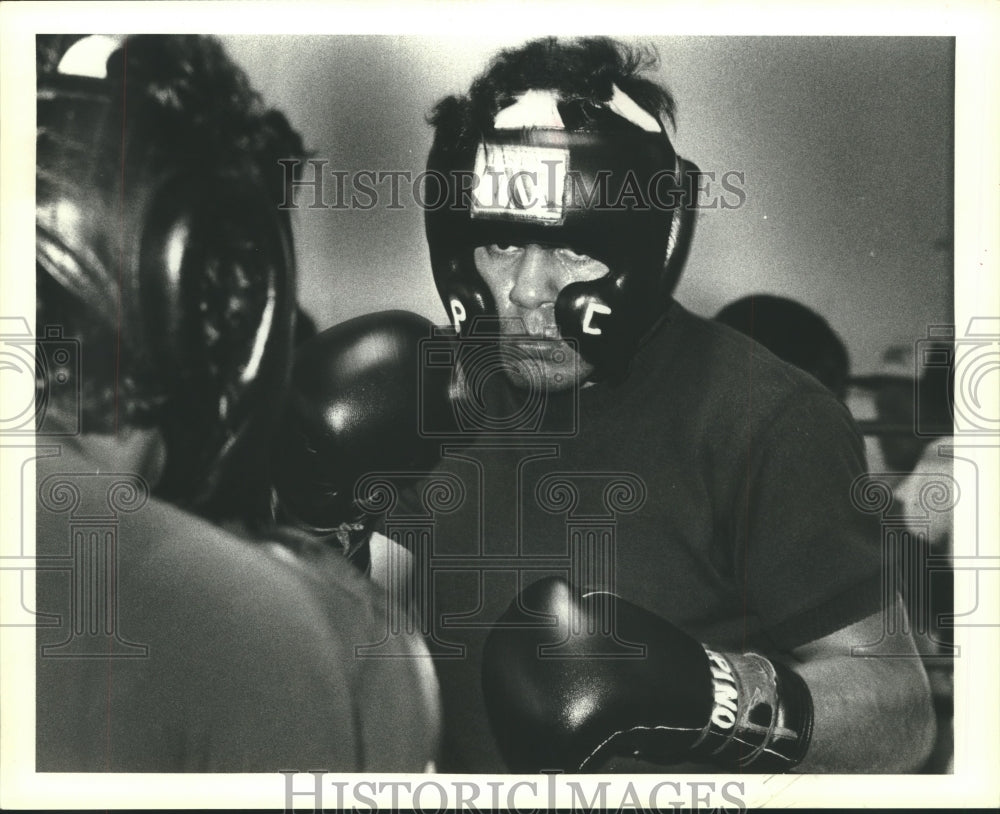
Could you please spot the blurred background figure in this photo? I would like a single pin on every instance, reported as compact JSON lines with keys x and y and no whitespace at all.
{"x":913,"y":401}
{"x":794,"y":333}
{"x":907,"y":422}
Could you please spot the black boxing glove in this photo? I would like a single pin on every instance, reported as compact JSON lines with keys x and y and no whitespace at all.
{"x":357,"y":395}
{"x":573,"y":680}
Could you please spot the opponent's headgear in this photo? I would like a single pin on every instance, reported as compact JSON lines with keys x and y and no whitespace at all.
{"x":600,"y":177}
{"x":159,"y":241}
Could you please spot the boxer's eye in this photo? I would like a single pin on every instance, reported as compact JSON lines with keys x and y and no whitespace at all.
{"x":503,"y":249}
{"x":572,"y":256}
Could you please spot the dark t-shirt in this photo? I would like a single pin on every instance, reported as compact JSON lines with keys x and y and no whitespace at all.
{"x":167,"y":644}
{"x":711,"y":486}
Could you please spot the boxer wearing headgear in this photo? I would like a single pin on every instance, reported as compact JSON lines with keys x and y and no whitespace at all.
{"x":593,"y":174}
{"x":668,"y":570}
{"x":170,"y":637}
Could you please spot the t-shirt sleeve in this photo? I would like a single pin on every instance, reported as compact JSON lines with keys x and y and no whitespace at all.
{"x":809,"y":557}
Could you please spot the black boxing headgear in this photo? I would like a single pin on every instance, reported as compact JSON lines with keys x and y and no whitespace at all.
{"x":155,"y":225}
{"x":601,"y":178}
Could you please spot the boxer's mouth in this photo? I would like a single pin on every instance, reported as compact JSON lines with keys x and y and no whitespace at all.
{"x":543,"y":332}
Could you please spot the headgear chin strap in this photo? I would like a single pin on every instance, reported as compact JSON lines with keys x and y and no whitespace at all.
{"x":602,"y":179}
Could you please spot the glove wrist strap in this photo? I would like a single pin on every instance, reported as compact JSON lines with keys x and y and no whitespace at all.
{"x":349,"y":537}
{"x":761,"y":716}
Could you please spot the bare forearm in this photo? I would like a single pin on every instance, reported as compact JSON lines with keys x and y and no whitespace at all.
{"x":871,"y":714}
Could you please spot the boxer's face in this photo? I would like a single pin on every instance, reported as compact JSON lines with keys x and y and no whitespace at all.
{"x":525,"y":281}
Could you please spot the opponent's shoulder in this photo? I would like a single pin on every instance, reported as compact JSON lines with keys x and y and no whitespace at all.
{"x":255,"y":584}
{"x":171,"y":564}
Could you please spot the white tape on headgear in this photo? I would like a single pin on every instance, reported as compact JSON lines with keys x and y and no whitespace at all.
{"x":520,"y":182}
{"x":626,"y":107}
{"x":539,"y":108}
{"x":534,"y":108}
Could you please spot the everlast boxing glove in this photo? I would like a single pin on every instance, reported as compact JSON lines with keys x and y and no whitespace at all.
{"x":579,"y":679}
{"x":358,"y":393}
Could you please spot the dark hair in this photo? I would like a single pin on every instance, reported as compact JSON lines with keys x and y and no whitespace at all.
{"x":202,"y":102}
{"x":584,"y":68}
{"x":795,"y":333}
{"x":207,"y":102}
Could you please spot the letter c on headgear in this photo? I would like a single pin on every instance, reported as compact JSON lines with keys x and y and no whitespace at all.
{"x":588,"y":317}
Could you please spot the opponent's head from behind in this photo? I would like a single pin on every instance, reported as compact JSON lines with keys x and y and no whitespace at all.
{"x":160,"y":247}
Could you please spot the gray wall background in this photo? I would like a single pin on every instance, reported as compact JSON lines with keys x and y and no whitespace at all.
{"x":846,"y":146}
